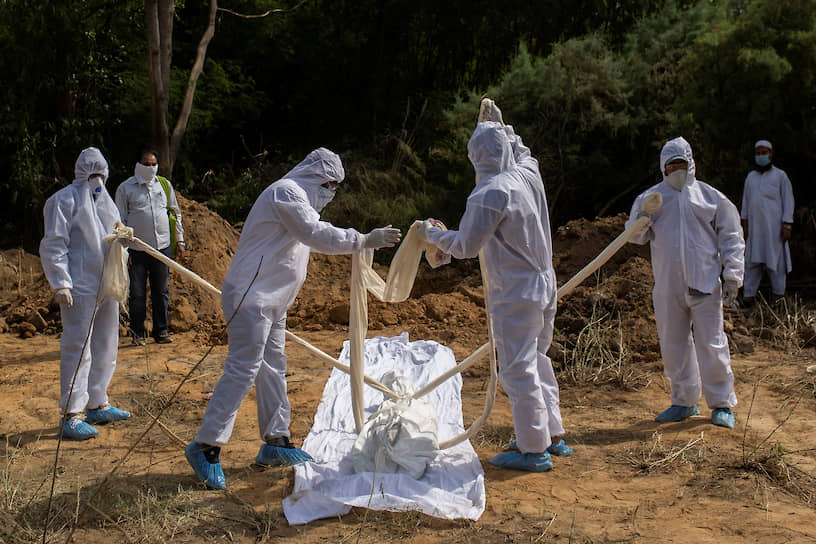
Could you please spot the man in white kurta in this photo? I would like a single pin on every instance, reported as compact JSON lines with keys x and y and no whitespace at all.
{"x":72,"y":251}
{"x":767,"y":219}
{"x":507,"y":217}
{"x":695,"y":239}
{"x":263,"y":280}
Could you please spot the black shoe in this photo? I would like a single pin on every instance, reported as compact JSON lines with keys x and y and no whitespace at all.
{"x":164,"y":338}
{"x":138,"y":341}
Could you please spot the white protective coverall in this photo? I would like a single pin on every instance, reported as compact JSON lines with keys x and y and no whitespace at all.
{"x":767,"y":203}
{"x":695,"y":237}
{"x":72,"y":253}
{"x":282,"y":226}
{"x":507,"y":215}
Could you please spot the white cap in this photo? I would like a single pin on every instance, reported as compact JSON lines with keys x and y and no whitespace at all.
{"x":763,"y":143}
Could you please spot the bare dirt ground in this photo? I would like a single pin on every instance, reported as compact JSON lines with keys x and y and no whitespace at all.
{"x":629,"y":480}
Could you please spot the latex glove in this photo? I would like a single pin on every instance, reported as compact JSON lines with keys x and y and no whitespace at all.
{"x":382,"y":237}
{"x":730,"y":291}
{"x":63,"y":296}
{"x":424,"y":229}
{"x":650,"y":205}
{"x":489,"y":111}
{"x":124,"y":235}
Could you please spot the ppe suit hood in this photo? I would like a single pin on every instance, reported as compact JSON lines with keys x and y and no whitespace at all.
{"x":677,"y":147}
{"x":489,"y":150}
{"x":319,"y":166}
{"x":89,"y":162}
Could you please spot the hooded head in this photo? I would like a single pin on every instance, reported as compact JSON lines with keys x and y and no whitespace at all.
{"x":90,"y":162}
{"x":677,"y":148}
{"x":320,"y":167}
{"x":489,"y":150}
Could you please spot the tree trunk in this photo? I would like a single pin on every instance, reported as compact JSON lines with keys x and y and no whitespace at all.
{"x":159,"y":28}
{"x":159,"y":91}
{"x":189,"y":93}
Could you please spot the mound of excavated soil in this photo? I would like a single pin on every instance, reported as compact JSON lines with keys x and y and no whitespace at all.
{"x":211,"y":243}
{"x":26,"y":304}
{"x":446,"y":305}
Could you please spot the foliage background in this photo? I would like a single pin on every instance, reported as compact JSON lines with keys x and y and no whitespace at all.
{"x":593,"y":86}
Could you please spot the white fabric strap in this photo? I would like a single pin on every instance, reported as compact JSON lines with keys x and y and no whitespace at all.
{"x":396,"y":288}
{"x":195,"y":278}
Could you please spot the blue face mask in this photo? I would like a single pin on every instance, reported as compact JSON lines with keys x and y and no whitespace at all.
{"x":762,"y":160}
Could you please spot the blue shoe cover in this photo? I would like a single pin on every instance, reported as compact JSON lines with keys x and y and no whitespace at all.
{"x":76,"y":429}
{"x":208,"y":470}
{"x":531,"y":462}
{"x":677,"y":413}
{"x":276,"y":456}
{"x":723,"y":417}
{"x":106,"y":415}
{"x":560,"y":449}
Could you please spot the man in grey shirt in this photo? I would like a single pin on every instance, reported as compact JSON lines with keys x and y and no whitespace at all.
{"x":144,"y":205}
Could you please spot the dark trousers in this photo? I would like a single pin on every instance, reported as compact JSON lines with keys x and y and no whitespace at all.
{"x":141,"y":267}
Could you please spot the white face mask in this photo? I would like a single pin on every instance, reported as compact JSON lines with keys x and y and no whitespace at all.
{"x":96,"y":182}
{"x":145,"y":173}
{"x":324,"y":196}
{"x":677,"y":179}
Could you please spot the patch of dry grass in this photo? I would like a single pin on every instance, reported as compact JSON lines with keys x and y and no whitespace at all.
{"x":771,"y":464}
{"x":659,"y":455}
{"x":601,"y":355}
{"x":768,"y":459}
{"x":493,"y":436}
{"x":789,"y":322}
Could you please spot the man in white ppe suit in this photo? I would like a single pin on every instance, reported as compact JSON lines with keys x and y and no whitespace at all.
{"x":695,"y":237}
{"x":281,"y":229}
{"x":767,"y":219}
{"x":72,"y":251}
{"x":507,"y":216}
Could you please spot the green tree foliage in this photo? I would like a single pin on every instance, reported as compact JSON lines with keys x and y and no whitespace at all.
{"x":721,"y":74}
{"x":60,"y":62}
{"x":749,"y":76}
{"x":570,"y":107}
{"x":593,"y":86}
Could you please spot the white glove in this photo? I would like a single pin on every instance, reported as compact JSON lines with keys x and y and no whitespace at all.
{"x":650,"y":205}
{"x":730,"y":291}
{"x":122,"y":234}
{"x":489,"y":111}
{"x":382,"y":237}
{"x":424,"y":229}
{"x":63,"y":296}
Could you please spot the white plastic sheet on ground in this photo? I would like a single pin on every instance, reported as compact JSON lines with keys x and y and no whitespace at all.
{"x":453,"y":483}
